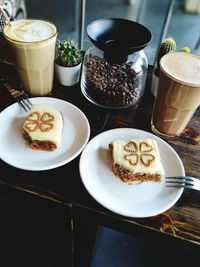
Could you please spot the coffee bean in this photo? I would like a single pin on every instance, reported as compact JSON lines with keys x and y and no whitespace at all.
{"x":113,"y":85}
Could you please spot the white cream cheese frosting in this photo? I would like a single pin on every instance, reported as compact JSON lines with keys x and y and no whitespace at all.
{"x":138,"y":156}
{"x":44,"y":123}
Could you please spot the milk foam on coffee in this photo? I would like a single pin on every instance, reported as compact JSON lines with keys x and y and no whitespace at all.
{"x":30,"y":30}
{"x":184,"y":67}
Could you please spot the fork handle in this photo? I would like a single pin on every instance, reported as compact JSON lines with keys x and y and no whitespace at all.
{"x":15,"y":93}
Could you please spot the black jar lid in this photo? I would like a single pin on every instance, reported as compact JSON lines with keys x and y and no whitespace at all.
{"x":118,"y":35}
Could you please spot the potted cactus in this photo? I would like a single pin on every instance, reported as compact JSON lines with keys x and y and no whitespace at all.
{"x":67,"y":63}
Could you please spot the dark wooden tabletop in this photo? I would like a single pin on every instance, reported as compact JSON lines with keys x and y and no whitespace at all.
{"x":63,"y":185}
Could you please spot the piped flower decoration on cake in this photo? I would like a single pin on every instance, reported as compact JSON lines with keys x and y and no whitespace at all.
{"x":140,"y":152}
{"x":42,"y":122}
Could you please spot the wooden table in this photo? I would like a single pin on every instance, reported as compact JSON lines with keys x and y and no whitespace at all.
{"x":62,"y":187}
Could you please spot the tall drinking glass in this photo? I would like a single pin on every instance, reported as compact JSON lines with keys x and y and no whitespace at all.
{"x":178,"y":93}
{"x":33,"y":46}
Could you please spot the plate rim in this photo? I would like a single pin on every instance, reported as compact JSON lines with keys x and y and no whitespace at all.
{"x":63,"y":162}
{"x":172,"y":203}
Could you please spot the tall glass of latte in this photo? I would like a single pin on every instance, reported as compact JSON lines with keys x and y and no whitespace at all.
{"x":178,"y":93}
{"x":33,"y":46}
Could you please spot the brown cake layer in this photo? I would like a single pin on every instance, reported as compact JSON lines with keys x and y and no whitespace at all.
{"x":126,"y":176}
{"x":40,"y":145}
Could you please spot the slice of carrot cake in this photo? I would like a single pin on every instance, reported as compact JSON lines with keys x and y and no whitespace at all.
{"x":136,"y":160}
{"x":43,"y":128}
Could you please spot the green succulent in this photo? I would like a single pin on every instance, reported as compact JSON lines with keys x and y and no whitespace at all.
{"x":67,"y":54}
{"x":186,"y":49}
{"x":167,"y":46}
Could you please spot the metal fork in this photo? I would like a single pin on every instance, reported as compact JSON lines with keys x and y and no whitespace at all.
{"x":19,"y":95}
{"x":183,"y":182}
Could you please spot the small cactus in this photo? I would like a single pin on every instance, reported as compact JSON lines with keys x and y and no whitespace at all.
{"x":167,"y":46}
{"x":186,"y":49}
{"x":67,"y":54}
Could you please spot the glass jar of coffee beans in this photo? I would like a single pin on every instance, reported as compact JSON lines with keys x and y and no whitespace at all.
{"x":115,"y":66}
{"x":113,"y":84}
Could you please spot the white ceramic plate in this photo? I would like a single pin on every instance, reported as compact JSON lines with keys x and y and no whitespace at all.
{"x":15,"y":151}
{"x":136,"y":200}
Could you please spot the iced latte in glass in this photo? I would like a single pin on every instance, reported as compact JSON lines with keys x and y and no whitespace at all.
{"x":178,"y":93}
{"x":33,"y":47}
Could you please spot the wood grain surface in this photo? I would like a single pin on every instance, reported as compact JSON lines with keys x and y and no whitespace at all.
{"x":63,"y":185}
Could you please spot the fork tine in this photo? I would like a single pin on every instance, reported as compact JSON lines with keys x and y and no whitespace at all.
{"x":185,"y":178}
{"x":183,"y":182}
{"x":180,"y":186}
{"x":25,"y":99}
{"x":22,"y":105}
{"x":27,"y":103}
{"x":175,"y":186}
{"x":179,"y":182}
